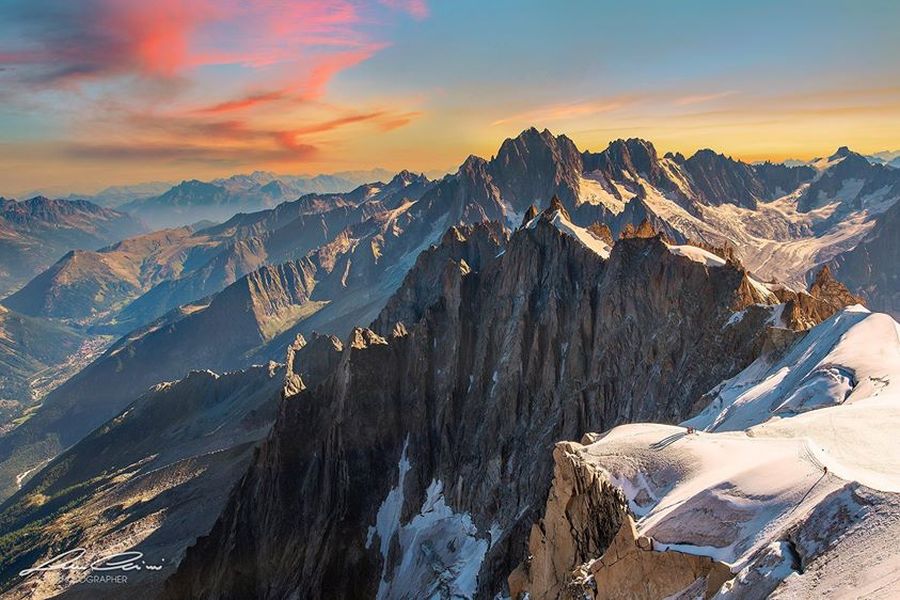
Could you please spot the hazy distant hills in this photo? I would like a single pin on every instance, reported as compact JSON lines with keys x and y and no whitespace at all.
{"x":888,"y":157}
{"x":34,"y":233}
{"x":217,"y":200}
{"x":180,"y":265}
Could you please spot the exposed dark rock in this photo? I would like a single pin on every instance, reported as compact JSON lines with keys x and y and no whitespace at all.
{"x":544,"y":342}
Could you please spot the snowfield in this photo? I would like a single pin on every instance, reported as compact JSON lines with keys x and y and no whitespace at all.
{"x":792,"y":474}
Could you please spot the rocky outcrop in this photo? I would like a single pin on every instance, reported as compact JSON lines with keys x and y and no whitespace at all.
{"x":632,"y":568}
{"x":307,"y":363}
{"x":446,"y":421}
{"x":581,"y":520}
{"x":586,"y":546}
{"x":643,"y":230}
{"x":602,"y":232}
{"x":825,"y":297}
{"x":829,"y":290}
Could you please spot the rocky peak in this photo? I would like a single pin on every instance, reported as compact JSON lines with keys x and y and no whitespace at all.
{"x":850,"y":160}
{"x":676,"y":157}
{"x":41,"y":209}
{"x":474,"y":168}
{"x":633,"y":155}
{"x":625,"y":160}
{"x":825,"y":287}
{"x":842,"y":152}
{"x":643,"y":230}
{"x":536,"y":165}
{"x":825,"y":297}
{"x":556,"y":206}
{"x":528,"y":141}
{"x":363,"y":337}
{"x":276,"y":189}
{"x":406,"y":177}
{"x":834,"y":183}
{"x":719,"y":179}
{"x":630,"y":162}
{"x":531,"y":213}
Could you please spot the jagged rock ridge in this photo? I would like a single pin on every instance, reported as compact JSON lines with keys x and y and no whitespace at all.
{"x":452,"y":414}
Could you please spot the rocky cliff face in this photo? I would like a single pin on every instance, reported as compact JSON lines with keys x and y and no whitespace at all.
{"x":446,"y":421}
{"x":586,"y":546}
{"x":537,"y":165}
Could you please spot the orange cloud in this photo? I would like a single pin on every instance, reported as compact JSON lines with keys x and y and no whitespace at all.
{"x":324,"y":68}
{"x":245,"y":102}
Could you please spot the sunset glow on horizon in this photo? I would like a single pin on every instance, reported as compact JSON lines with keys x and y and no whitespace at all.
{"x":108,"y":92}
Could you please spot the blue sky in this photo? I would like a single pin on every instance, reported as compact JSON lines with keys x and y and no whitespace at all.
{"x":111,"y":91}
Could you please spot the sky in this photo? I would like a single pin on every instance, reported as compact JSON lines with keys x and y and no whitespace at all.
{"x":109,"y":92}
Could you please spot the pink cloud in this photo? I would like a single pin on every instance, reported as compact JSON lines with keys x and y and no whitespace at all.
{"x":245,"y":102}
{"x":97,"y":39}
{"x":278,"y":58}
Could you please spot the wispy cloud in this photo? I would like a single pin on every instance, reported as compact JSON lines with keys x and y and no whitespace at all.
{"x":571,"y":110}
{"x":703,"y":98}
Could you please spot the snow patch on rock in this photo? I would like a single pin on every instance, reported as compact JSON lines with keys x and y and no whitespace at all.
{"x":699,"y":255}
{"x":440,"y":553}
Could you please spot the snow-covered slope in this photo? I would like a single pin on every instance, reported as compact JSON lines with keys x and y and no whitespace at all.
{"x":774,"y":240}
{"x":565,"y":225}
{"x":791,"y":476}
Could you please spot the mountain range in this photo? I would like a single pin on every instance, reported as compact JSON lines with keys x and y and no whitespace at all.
{"x":36,"y":232}
{"x":425,"y":348}
{"x":191,"y":201}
